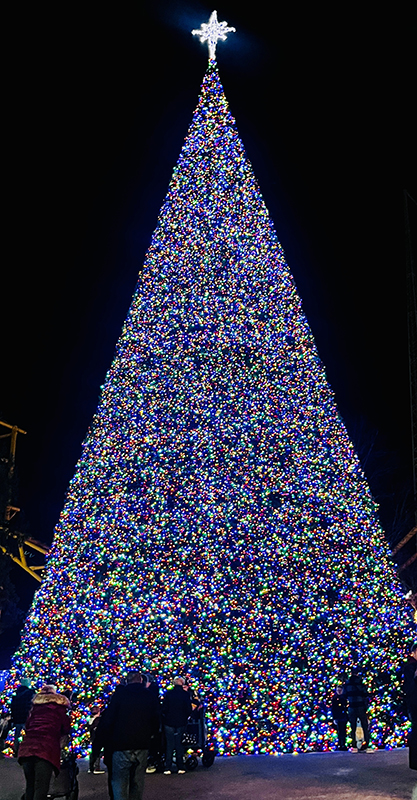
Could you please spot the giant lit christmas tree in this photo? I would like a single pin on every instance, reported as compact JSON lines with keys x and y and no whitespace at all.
{"x":219,"y":523}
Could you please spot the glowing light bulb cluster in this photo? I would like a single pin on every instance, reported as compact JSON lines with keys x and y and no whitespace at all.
{"x":219,"y":523}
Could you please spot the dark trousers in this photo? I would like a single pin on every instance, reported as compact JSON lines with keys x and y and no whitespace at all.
{"x":155,"y":750}
{"x":38,"y":774}
{"x":341,"y":725}
{"x":19,"y":727}
{"x":174,"y":742}
{"x":93,"y":763}
{"x":359,"y":713}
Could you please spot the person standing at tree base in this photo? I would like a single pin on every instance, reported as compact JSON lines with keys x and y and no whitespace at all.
{"x":127,"y":727}
{"x":176,"y":708}
{"x":20,"y":707}
{"x":93,"y":722}
{"x":410,"y":689}
{"x":40,"y":751}
{"x":340,"y":715}
{"x":358,"y":700}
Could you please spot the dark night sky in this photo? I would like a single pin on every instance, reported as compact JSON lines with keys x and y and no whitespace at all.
{"x":100,"y":101}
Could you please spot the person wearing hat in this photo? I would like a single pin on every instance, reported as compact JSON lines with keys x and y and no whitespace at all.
{"x":410,"y":689}
{"x":20,"y":706}
{"x":40,"y":752}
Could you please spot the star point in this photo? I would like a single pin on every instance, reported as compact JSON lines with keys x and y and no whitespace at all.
{"x":211,"y":32}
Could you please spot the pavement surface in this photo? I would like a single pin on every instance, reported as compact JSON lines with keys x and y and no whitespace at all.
{"x":375,"y":775}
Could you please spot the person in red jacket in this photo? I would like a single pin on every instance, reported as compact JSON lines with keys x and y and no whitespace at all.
{"x":40,"y":752}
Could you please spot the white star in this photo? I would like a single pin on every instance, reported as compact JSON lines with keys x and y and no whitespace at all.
{"x":211,"y":32}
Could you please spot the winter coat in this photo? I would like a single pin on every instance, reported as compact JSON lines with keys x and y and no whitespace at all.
{"x":339,"y":707}
{"x":101,"y":739}
{"x":176,"y":707}
{"x":129,"y":721}
{"x":356,"y":693}
{"x":410,"y":686}
{"x":47,"y":722}
{"x":21,"y":704}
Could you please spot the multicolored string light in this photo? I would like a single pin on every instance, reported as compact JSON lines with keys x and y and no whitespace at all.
{"x":219,"y":523}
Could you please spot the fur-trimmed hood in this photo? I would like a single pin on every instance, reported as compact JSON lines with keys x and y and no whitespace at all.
{"x":47,"y":722}
{"x":50,"y":697}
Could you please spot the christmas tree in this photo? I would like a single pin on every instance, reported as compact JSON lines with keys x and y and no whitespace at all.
{"x":219,"y":523}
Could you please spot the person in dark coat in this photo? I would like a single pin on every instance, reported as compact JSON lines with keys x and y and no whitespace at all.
{"x":358,"y":701}
{"x":101,"y":743}
{"x":92,"y":725}
{"x":156,"y":749}
{"x":410,"y":689}
{"x":20,"y":707}
{"x":125,"y":730}
{"x":40,"y":752}
{"x":176,"y":708}
{"x":340,"y":715}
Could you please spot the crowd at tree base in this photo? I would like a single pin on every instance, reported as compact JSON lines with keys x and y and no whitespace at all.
{"x":136,"y":733}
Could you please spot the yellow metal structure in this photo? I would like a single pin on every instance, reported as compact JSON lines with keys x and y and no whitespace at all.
{"x":14,"y":541}
{"x":21,"y":558}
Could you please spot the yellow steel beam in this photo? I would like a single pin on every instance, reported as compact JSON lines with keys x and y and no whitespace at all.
{"x":37,"y":546}
{"x":22,"y":564}
{"x":11,"y":427}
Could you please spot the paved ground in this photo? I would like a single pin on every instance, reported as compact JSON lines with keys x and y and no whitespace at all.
{"x":378,"y":775}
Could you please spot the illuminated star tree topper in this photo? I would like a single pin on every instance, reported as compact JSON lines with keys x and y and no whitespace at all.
{"x":211,"y":32}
